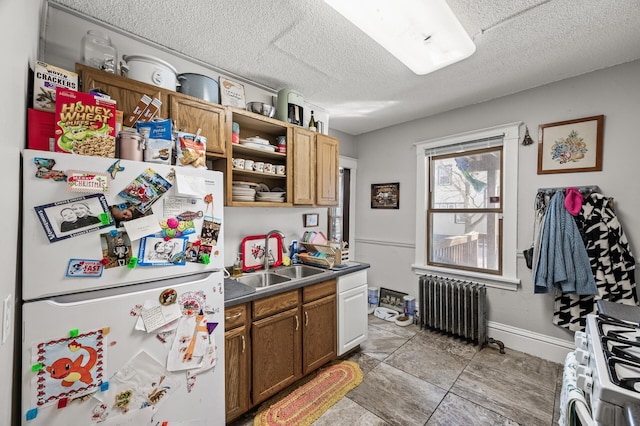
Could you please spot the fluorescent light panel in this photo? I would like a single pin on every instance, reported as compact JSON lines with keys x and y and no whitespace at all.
{"x":425,"y":35}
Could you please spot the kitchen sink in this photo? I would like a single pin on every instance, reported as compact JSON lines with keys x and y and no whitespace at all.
{"x":261,"y":280}
{"x":299,"y":271}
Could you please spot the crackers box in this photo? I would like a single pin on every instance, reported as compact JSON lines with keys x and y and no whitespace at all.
{"x":46,"y":78}
{"x":85,"y":124}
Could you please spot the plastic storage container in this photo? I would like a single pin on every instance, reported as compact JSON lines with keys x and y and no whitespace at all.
{"x":98,"y":51}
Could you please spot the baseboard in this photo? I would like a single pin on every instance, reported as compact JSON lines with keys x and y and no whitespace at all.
{"x":536,"y":344}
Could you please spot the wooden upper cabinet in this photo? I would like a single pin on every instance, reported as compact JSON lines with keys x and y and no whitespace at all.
{"x":125,"y":91}
{"x":327,"y":168}
{"x":304,"y":167}
{"x":190,"y":114}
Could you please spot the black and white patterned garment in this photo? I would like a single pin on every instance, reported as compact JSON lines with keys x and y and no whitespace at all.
{"x":612,"y":264}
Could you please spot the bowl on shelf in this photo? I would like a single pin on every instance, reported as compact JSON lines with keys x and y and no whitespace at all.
{"x":261,"y":108}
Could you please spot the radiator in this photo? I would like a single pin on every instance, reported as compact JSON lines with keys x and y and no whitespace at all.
{"x":453,"y":306}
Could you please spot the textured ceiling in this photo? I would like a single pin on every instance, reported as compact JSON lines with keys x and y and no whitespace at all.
{"x":307,"y":46}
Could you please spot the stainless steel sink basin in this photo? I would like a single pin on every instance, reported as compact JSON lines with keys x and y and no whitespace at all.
{"x":261,"y":280}
{"x":298,"y":271}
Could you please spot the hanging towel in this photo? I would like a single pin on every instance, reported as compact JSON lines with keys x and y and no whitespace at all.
{"x":563,"y":263}
{"x":571,"y":396}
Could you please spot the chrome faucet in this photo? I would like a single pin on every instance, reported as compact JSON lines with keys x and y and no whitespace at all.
{"x":266,"y":246}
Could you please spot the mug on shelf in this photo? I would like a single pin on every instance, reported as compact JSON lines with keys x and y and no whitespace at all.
{"x":280,"y":169}
{"x":238,"y":163}
{"x":248,"y":164}
{"x":269,"y":168}
{"x":258,"y":166}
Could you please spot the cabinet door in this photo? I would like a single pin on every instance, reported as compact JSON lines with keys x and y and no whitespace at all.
{"x":304,"y":167}
{"x":319,"y":333}
{"x":190,"y":114}
{"x":327,"y":163}
{"x":236,"y":358}
{"x":126,"y":92}
{"x":276,"y":353}
{"x":352,"y":318}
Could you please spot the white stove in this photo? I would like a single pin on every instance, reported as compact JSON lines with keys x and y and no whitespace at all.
{"x":609,"y":372}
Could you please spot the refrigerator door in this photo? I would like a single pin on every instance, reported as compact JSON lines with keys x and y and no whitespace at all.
{"x":48,"y":246}
{"x":56,"y":361}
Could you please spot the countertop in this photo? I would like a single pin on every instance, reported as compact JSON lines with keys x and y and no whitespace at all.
{"x":236,"y":293}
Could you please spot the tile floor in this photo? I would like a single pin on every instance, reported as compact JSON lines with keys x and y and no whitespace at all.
{"x":420,"y":377}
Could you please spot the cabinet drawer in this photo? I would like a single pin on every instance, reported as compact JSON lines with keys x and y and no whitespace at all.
{"x":316,"y":291}
{"x":347,"y":282}
{"x":235,"y":316}
{"x":273,"y":304}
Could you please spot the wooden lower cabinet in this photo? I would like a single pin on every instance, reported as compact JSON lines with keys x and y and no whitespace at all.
{"x":237,"y":360}
{"x":319,"y":333}
{"x":276,"y":353}
{"x":285,"y":337}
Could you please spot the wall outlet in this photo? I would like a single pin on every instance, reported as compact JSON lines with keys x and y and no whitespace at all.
{"x":7,"y":314}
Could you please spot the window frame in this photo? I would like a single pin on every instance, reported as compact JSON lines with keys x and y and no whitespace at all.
{"x":510,"y":133}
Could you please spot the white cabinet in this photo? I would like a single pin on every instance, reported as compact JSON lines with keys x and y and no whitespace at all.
{"x":352,"y":310}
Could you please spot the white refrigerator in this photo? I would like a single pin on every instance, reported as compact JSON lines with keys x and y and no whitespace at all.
{"x":122,"y":291}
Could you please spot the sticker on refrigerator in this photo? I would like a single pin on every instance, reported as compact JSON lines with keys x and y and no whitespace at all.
{"x":71,"y":367}
{"x":44,"y":169}
{"x":82,"y":268}
{"x":145,"y":190}
{"x":78,"y":181}
{"x":156,"y":251}
{"x":77,"y":216}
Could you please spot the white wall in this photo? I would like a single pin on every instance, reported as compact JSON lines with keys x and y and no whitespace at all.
{"x":19,"y":21}
{"x":386,"y":238}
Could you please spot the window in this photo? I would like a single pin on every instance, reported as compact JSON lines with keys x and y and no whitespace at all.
{"x":464,"y":212}
{"x":466,"y":206}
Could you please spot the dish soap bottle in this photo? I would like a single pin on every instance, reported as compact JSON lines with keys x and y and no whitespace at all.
{"x":236,"y":271}
{"x":312,"y":123}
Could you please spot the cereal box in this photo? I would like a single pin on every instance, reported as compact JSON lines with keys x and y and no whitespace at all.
{"x":85,"y":124}
{"x":45,"y":80}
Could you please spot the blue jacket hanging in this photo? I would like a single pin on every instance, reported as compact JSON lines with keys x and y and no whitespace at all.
{"x":564,"y":262}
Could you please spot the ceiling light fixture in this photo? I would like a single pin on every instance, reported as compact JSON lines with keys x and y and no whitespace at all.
{"x":425,"y":35}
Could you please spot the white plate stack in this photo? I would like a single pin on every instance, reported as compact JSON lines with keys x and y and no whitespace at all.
{"x":258,"y":143}
{"x":243,"y":193}
{"x":270,"y":197}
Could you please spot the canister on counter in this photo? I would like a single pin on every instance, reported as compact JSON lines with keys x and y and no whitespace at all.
{"x":129,"y":145}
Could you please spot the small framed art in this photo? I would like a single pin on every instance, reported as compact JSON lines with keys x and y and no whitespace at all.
{"x":571,"y":146}
{"x":310,"y":220}
{"x":385,"y":195}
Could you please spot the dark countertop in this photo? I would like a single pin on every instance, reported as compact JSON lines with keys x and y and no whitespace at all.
{"x":236,"y":293}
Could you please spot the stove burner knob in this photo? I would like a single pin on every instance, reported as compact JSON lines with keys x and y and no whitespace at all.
{"x":582,"y":356}
{"x":584,"y":370}
{"x":585,"y":383}
{"x":580,"y":340}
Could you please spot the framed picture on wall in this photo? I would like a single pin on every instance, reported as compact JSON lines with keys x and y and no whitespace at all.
{"x":385,"y":195}
{"x":310,"y":220}
{"x":571,"y":146}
